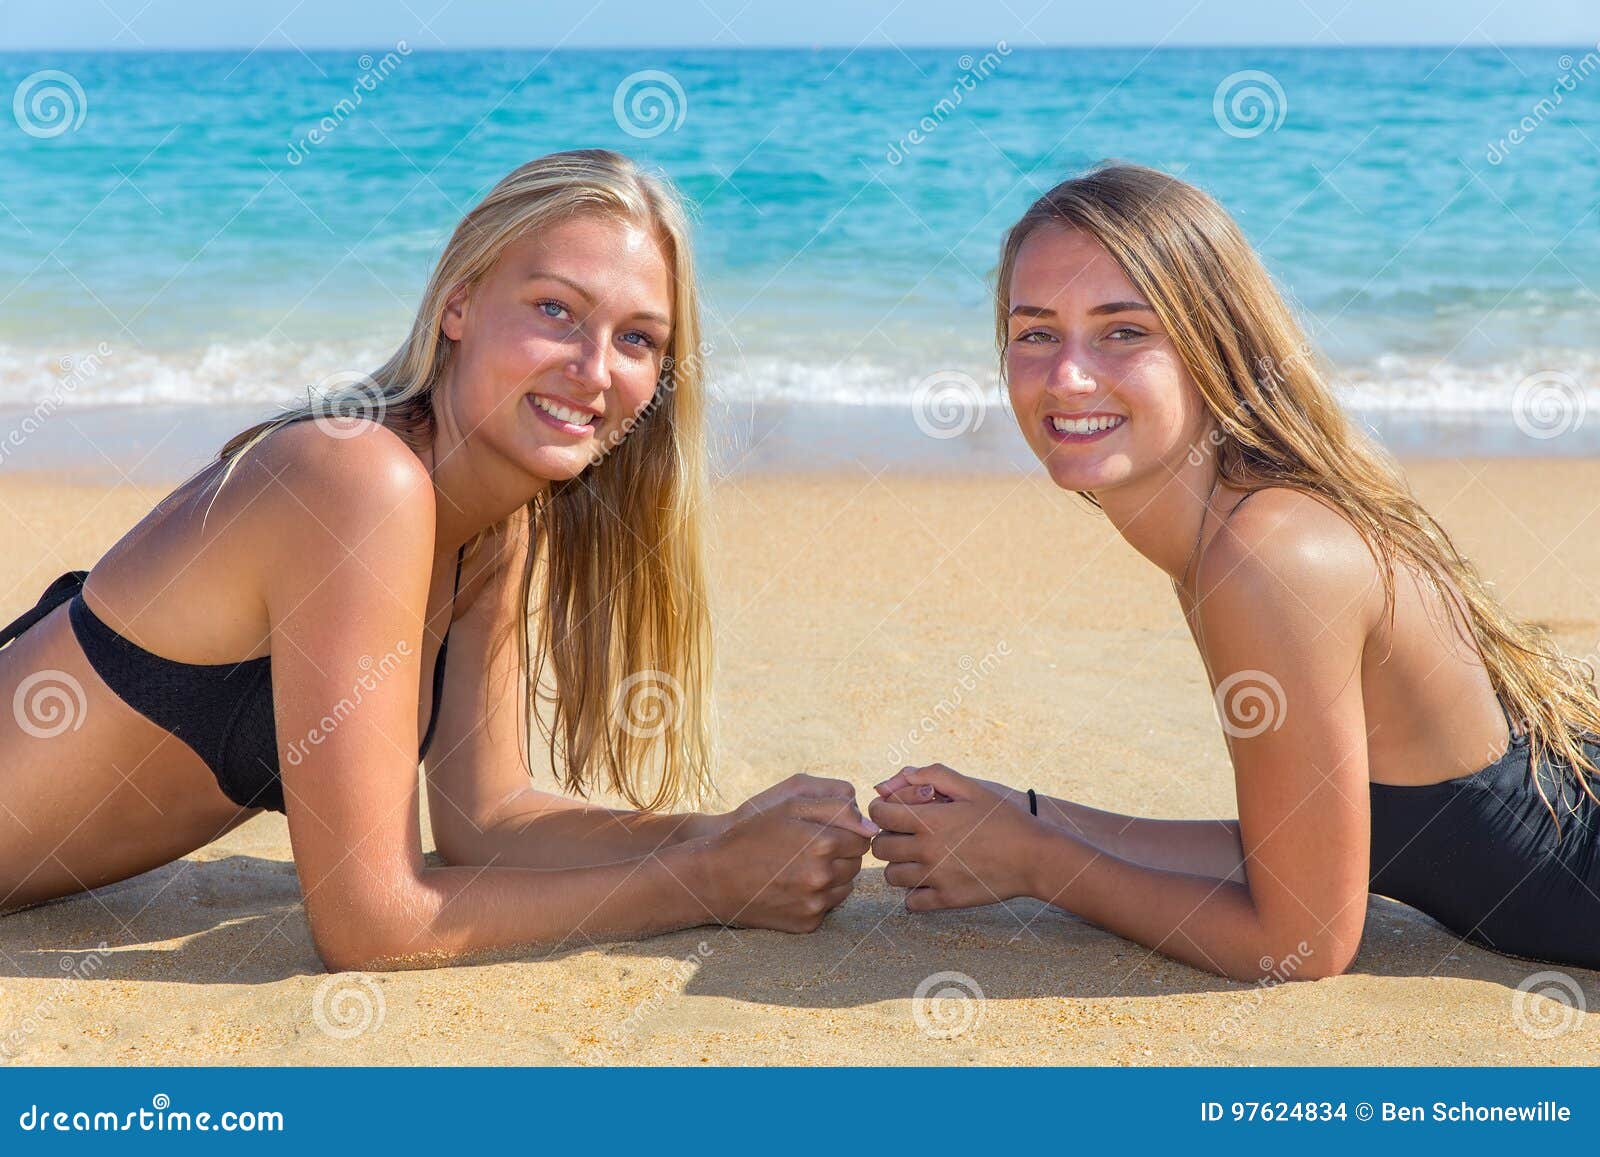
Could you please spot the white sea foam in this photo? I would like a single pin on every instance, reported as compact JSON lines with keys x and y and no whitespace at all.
{"x":274,"y":372}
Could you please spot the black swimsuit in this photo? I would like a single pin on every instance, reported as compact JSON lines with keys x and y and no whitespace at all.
{"x":1480,"y":854}
{"x":223,"y":711}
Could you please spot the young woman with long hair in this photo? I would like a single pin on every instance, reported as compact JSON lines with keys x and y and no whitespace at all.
{"x":1392,"y":729}
{"x":263,"y":638}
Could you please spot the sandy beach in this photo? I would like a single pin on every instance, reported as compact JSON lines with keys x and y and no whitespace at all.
{"x":851,"y":605}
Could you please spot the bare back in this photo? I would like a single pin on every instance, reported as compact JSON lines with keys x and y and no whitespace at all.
{"x":1430,"y":709}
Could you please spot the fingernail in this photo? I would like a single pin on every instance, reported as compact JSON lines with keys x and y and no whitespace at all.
{"x":872,"y":828}
{"x":925,"y":791}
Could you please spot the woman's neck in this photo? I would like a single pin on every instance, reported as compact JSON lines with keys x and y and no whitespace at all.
{"x":472,"y":490}
{"x":1162,"y":517}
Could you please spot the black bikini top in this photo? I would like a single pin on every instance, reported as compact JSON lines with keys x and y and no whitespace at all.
{"x":221,"y":710}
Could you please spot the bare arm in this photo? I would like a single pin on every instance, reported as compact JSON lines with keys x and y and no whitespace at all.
{"x":352,"y":583}
{"x":1283,"y":621}
{"x":482,"y":805}
{"x":1200,"y":847}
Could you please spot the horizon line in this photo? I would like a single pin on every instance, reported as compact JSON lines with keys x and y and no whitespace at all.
{"x":1128,"y":45}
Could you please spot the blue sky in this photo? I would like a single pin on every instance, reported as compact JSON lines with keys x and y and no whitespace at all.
{"x":434,"y":24}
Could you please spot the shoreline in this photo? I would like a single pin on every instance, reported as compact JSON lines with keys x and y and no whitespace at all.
{"x":162,"y":444}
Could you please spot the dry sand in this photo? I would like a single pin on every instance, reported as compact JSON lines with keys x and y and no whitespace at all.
{"x":850,"y":607}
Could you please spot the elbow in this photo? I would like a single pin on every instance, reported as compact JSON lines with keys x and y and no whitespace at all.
{"x":362,"y":934}
{"x":378,"y":955}
{"x":1316,"y":959}
{"x":343,"y":959}
{"x":354,"y":950}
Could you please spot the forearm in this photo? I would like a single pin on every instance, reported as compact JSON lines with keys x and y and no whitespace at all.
{"x":1201,"y":847}
{"x":1210,"y":923}
{"x":447,"y":915}
{"x":535,"y":835}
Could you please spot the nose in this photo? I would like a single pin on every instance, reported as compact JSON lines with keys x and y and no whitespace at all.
{"x":1068,"y":377}
{"x":587,"y":369}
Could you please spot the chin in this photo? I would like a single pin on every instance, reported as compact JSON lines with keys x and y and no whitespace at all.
{"x":1080,"y":476}
{"x":557,"y":464}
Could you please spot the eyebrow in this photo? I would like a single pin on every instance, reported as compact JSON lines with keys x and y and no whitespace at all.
{"x":545,"y":275}
{"x":1096,"y":311}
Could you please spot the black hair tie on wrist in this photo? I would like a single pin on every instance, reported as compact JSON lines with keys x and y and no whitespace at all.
{"x":1033,"y":803}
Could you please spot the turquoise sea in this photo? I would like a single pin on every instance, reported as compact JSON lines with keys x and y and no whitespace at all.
{"x":229,"y":228}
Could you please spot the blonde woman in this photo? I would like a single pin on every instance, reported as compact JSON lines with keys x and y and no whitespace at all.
{"x":274,"y":634}
{"x":1391,"y":728}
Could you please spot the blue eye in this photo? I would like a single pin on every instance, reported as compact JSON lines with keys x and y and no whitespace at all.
{"x":546,"y":306}
{"x":648,"y":342}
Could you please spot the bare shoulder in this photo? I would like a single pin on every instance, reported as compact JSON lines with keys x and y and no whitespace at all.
{"x":302,"y":481}
{"x":1290,"y":552}
{"x":303,"y":500}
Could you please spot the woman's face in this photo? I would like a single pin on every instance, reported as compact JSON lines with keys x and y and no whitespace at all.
{"x":560,"y":345}
{"x":1100,"y":393}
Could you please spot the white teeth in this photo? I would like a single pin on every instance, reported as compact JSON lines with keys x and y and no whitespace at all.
{"x":1086,"y":425}
{"x":565,"y":413}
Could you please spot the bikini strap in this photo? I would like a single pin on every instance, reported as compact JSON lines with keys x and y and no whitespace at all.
{"x":439,"y":660}
{"x":54,"y":595}
{"x":1511,"y":727}
{"x":1248,"y":495}
{"x":460,"y":554}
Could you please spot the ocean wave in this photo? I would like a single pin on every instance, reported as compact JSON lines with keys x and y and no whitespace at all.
{"x":260,"y":371}
{"x":274,"y":372}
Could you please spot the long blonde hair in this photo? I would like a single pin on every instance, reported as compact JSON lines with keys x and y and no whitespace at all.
{"x":1278,"y":423}
{"x":624,"y":629}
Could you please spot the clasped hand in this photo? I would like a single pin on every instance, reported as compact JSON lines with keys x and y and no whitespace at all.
{"x":952,"y":841}
{"x":790,"y":855}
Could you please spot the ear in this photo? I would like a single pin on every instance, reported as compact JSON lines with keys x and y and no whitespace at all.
{"x":455,"y":313}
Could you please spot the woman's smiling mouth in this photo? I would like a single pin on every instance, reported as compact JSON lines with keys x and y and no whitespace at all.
{"x":1070,"y":428}
{"x":562,"y":415}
